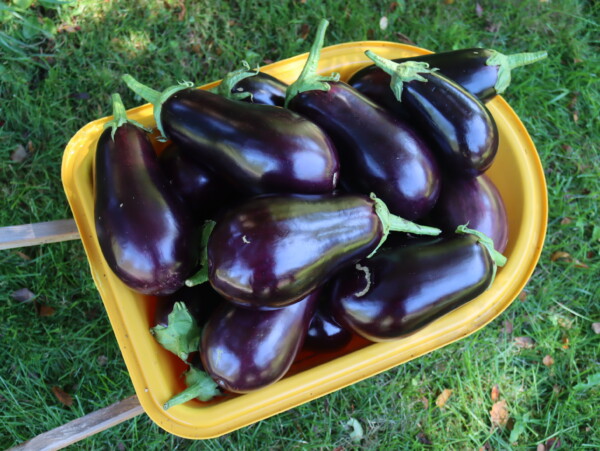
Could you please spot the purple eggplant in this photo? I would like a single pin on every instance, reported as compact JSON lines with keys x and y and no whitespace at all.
{"x":324,"y":332}
{"x":402,"y":289}
{"x":254,"y":87}
{"x":244,"y":350}
{"x":257,"y":148}
{"x":380,"y":153}
{"x":483,"y":72}
{"x":461,"y":127}
{"x":202,"y":191}
{"x":473,"y":201}
{"x":146,"y":234}
{"x":272,"y":250}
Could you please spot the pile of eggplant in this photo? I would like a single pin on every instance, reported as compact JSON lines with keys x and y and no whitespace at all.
{"x":280,"y":217}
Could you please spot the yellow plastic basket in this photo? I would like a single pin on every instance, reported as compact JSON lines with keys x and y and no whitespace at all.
{"x":156,"y":374}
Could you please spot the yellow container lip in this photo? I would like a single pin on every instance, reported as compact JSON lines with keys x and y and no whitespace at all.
{"x":526,"y":198}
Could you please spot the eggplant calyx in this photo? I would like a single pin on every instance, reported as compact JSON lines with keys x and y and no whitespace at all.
{"x":488,"y":243}
{"x":309,"y":80}
{"x":120,"y":116}
{"x":393,"y":223}
{"x":181,"y":335}
{"x":199,"y":385}
{"x":201,"y":275}
{"x":156,"y":98}
{"x":401,"y":72}
{"x":506,"y":63}
{"x":226,"y":86}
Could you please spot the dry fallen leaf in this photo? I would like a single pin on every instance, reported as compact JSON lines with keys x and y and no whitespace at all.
{"x":499,"y":414}
{"x":19,"y":154}
{"x":507,"y":327}
{"x":304,"y":31}
{"x":44,"y":310}
{"x":560,"y":255}
{"x":524,"y":342}
{"x":443,"y":398}
{"x":565,"y":342}
{"x":62,"y":396}
{"x":422,"y":438}
{"x":566,"y":220}
{"x":548,"y":360}
{"x":495,"y":393}
{"x":596,"y":328}
{"x":522,"y":296}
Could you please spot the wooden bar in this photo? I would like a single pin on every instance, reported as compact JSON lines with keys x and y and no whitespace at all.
{"x":38,"y":233}
{"x":83,"y":427}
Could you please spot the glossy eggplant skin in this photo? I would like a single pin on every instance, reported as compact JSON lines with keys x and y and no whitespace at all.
{"x":203,"y":192}
{"x":146,"y":234}
{"x":467,"y":67}
{"x":244,"y":349}
{"x":400,"y":290}
{"x":257,"y":148}
{"x":264,"y":89}
{"x":476,"y":202}
{"x":201,"y":300}
{"x":461,"y":129}
{"x":380,"y":153}
{"x":273,"y":250}
{"x":324,"y":332}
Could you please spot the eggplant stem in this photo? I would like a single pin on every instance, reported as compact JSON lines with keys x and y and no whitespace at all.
{"x":156,"y":98}
{"x":506,"y":63}
{"x":401,"y":72}
{"x":234,"y":77}
{"x":393,"y":223}
{"x":488,"y":243}
{"x":202,"y":275}
{"x":202,"y":387}
{"x":309,"y":80}
{"x":120,"y":116}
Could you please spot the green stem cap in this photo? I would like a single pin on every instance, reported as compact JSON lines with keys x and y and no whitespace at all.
{"x":506,"y":63}
{"x":234,"y":77}
{"x":309,"y":80}
{"x":156,"y":98}
{"x":393,"y":223}
{"x":202,"y":275}
{"x":181,"y":335}
{"x":199,"y":386}
{"x":488,"y":243}
{"x":120,"y":116}
{"x":400,"y":72}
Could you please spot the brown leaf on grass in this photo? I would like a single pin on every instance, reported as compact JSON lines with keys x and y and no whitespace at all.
{"x":524,"y":342}
{"x":370,"y":34}
{"x":22,"y":295}
{"x":548,"y":360}
{"x":443,"y":398}
{"x":566,"y":220}
{"x":522,"y":296}
{"x":495,"y":395}
{"x":499,"y":414}
{"x":507,"y":327}
{"x":44,"y":310}
{"x":596,"y":328}
{"x":560,"y":255}
{"x":23,"y":255}
{"x":68,"y":28}
{"x":393,"y":6}
{"x":425,"y":402}
{"x":553,"y":443}
{"x":62,"y":396}
{"x":565,"y":342}
{"x":403,"y":38}
{"x":304,"y":31}
{"x":422,"y":438}
{"x":448,"y":2}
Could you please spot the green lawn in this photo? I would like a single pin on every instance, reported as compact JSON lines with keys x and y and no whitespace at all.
{"x":59,"y":65}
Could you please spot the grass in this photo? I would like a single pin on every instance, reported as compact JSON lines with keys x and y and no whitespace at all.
{"x":52,"y":82}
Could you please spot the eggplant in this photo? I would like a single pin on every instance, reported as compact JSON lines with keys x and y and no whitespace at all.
{"x":244,"y":350}
{"x":402,"y":289}
{"x":257,"y":148}
{"x":461,"y":127}
{"x":146,"y":234}
{"x":273,"y":250}
{"x":324,"y":332}
{"x":202,"y":191}
{"x":253,"y":87}
{"x":380,"y":153}
{"x":473,"y":201}
{"x":485,"y":73}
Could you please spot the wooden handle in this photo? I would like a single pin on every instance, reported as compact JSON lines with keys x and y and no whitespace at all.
{"x":38,"y":233}
{"x":83,"y":427}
